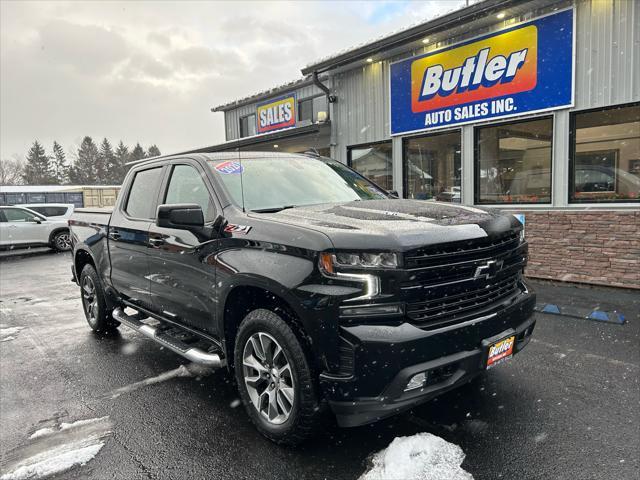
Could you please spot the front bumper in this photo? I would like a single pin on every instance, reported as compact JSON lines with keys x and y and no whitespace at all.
{"x":386,"y":357}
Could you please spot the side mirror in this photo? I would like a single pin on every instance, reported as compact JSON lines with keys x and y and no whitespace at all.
{"x":36,"y":220}
{"x":393,"y":193}
{"x":183,"y":216}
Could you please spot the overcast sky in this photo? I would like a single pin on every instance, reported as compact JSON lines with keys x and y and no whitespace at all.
{"x":149,"y":71}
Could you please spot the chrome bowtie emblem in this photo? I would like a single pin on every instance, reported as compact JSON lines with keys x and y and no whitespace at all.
{"x":489,"y":269}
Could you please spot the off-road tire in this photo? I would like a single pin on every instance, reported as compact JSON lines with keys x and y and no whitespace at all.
{"x":93,"y":302}
{"x":305,"y":415}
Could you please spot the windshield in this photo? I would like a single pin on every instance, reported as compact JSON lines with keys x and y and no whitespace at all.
{"x":272,"y":183}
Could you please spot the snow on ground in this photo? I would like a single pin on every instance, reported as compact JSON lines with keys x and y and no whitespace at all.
{"x":9,"y":333}
{"x":54,"y":461}
{"x":190,"y":370}
{"x":52,"y":450}
{"x":420,"y":457}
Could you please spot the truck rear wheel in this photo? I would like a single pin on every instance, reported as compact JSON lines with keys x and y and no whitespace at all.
{"x":274,"y":379}
{"x":93,"y":302}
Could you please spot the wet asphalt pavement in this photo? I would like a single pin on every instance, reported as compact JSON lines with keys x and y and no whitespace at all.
{"x":567,"y":407}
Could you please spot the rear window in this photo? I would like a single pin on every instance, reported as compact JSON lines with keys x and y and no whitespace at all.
{"x":50,"y":211}
{"x":144,"y":193}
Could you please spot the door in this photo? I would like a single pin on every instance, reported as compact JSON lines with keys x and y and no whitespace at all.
{"x":19,"y":227}
{"x":129,"y":236}
{"x":182,"y":282}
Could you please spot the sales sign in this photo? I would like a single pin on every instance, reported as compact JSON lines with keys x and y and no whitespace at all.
{"x":277,"y":114}
{"x":523,"y":69}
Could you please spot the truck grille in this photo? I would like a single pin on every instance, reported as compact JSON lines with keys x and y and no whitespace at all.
{"x":440,"y":311}
{"x":440,"y":286}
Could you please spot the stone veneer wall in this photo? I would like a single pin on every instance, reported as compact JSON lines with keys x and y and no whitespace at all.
{"x":596,"y":247}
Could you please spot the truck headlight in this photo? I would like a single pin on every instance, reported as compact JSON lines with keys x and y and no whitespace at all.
{"x":329,"y":261}
{"x":365,"y":260}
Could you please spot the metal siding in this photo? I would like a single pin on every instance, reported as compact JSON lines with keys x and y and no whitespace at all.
{"x":362,"y":110}
{"x":607,"y":52}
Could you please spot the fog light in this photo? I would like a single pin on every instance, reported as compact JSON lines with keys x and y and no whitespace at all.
{"x":417,"y":381}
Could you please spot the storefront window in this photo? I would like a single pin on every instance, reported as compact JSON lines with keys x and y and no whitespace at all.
{"x":374,"y":162}
{"x":513,"y":162}
{"x":605,"y":163}
{"x":432,"y":167}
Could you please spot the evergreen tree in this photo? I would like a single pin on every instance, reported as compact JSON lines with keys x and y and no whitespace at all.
{"x":84,"y":171}
{"x":153,"y":151}
{"x":137,"y":153}
{"x":37,"y":170}
{"x":122,"y":156}
{"x":59,"y":164}
{"x":107,"y":161}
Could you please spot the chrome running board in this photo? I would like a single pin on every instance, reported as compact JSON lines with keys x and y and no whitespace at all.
{"x":174,"y":344}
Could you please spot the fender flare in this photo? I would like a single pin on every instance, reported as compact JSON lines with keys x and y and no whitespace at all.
{"x":251,"y":280}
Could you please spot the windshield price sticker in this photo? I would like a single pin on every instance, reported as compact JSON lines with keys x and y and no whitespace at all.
{"x":229,"y":168}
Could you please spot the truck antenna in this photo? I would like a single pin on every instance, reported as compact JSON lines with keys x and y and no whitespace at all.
{"x":241,"y":175}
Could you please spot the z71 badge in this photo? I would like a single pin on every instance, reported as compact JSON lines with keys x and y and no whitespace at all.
{"x":239,"y":229}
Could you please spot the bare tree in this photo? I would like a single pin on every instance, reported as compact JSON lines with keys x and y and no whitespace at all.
{"x":11,"y":172}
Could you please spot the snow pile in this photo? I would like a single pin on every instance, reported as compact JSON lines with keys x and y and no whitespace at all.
{"x":52,"y":450}
{"x":54,"y":461}
{"x":9,"y":333}
{"x":420,"y":457}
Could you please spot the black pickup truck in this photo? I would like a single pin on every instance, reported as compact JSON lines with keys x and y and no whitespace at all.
{"x":317,"y":288}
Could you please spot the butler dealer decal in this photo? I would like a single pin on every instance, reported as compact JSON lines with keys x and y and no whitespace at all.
{"x":526,"y":68}
{"x":277,"y":114}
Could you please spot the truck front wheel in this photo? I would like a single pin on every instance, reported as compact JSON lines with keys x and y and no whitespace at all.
{"x":93,"y":302}
{"x":274,"y":378}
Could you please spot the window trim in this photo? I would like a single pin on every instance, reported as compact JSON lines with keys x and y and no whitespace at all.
{"x":476,"y":161}
{"x":572,"y":156}
{"x":125,"y":200}
{"x":164,"y":185}
{"x":405,"y":140}
{"x":370,"y":144}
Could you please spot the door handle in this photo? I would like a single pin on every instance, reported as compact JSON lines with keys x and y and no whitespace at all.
{"x":156,"y":242}
{"x":114,"y":235}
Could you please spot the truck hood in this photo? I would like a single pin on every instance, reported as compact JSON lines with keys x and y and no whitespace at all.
{"x":395,"y":224}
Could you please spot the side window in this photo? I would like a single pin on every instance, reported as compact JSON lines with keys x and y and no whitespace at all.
{"x":50,"y":211}
{"x":17,"y":215}
{"x":144,"y":190}
{"x":186,"y":186}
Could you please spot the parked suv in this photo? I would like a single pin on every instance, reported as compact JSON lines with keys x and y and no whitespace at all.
{"x":21,"y":227}
{"x":314,"y":286}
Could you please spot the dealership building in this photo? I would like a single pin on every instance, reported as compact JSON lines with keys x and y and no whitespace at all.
{"x":532,"y":107}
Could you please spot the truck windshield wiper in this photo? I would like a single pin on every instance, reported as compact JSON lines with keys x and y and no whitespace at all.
{"x":273,"y":209}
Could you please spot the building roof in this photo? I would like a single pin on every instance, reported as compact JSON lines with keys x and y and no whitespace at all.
{"x":413,"y":33}
{"x":49,"y":188}
{"x":299,"y":82}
